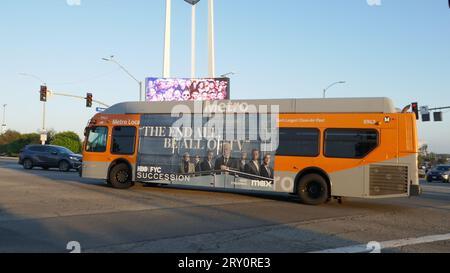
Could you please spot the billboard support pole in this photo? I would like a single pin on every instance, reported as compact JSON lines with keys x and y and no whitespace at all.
{"x":211,"y":42}
{"x":167,"y":40}
{"x":193,"y":43}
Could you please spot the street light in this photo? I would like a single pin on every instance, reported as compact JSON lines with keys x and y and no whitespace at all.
{"x":331,"y":85}
{"x":226,"y":75}
{"x":34,"y":77}
{"x":111,"y":59}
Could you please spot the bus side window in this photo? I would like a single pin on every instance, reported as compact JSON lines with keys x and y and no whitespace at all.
{"x":123,"y":140}
{"x":304,"y":142}
{"x":96,"y":139}
{"x":350,"y":143}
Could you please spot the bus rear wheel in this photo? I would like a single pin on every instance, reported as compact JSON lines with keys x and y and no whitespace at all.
{"x":313,"y":189}
{"x":120,"y":176}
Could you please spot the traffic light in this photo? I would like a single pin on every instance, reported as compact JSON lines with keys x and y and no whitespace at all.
{"x":438,"y":116}
{"x":89,"y":100}
{"x":43,"y":93}
{"x":426,"y":117}
{"x":415,"y":109}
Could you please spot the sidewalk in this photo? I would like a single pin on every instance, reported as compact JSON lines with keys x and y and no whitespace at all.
{"x":8,"y":158}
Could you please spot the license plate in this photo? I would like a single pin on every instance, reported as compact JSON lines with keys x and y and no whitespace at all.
{"x":434,"y":177}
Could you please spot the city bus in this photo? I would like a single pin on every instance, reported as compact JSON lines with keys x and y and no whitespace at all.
{"x":316,"y":149}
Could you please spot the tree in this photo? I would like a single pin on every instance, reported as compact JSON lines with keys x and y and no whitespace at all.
{"x":68,"y":139}
{"x":13,"y":148}
{"x":423,"y":150}
{"x":424,"y":155}
{"x":51,"y":135}
{"x":7,"y":138}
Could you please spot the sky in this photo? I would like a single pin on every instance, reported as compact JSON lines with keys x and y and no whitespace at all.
{"x":278,"y":49}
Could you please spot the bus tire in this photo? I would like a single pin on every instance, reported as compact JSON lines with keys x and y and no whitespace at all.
{"x":120,"y":176}
{"x":313,"y":189}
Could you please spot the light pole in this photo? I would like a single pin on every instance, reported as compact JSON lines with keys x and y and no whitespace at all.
{"x":331,"y":85}
{"x":111,"y":59}
{"x":43,"y":103}
{"x":4,"y":118}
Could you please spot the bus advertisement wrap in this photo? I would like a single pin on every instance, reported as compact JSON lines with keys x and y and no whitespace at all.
{"x":160,"y":89}
{"x":221,"y":152}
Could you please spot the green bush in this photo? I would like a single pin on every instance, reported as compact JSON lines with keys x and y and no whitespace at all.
{"x":13,"y":148}
{"x":70,"y":140}
{"x":6,"y":138}
{"x":11,"y":142}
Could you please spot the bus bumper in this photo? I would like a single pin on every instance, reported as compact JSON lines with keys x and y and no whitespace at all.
{"x":415,"y":190}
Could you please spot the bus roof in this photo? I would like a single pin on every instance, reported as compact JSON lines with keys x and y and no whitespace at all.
{"x":332,"y":105}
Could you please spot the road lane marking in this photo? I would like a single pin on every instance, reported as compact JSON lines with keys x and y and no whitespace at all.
{"x":388,"y":244}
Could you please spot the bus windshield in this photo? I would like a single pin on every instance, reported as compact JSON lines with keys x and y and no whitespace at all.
{"x":96,"y":139}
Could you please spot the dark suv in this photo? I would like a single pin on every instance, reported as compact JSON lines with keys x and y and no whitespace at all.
{"x":440,"y":173}
{"x":49,"y":156}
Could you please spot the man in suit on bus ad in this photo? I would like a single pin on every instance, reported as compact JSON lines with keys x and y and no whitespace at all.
{"x":226,"y":162}
{"x":266,"y":170}
{"x":253,"y":166}
{"x":186,"y":166}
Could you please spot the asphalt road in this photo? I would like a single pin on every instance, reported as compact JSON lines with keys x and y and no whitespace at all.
{"x":41,"y":211}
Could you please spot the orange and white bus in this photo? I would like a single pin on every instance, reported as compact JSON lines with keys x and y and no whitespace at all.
{"x":318,"y":149}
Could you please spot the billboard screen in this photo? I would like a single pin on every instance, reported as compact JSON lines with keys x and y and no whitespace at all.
{"x":160,"y":89}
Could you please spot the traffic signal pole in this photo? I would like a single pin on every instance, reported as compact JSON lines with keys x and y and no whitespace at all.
{"x":44,"y":94}
{"x":78,"y":97}
{"x":43,"y":122}
{"x":439,"y":108}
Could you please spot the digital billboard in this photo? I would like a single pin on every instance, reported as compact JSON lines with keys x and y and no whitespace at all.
{"x":161,"y":89}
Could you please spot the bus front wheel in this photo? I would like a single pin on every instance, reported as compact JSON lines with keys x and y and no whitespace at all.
{"x":120,"y":176}
{"x":313,"y":189}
